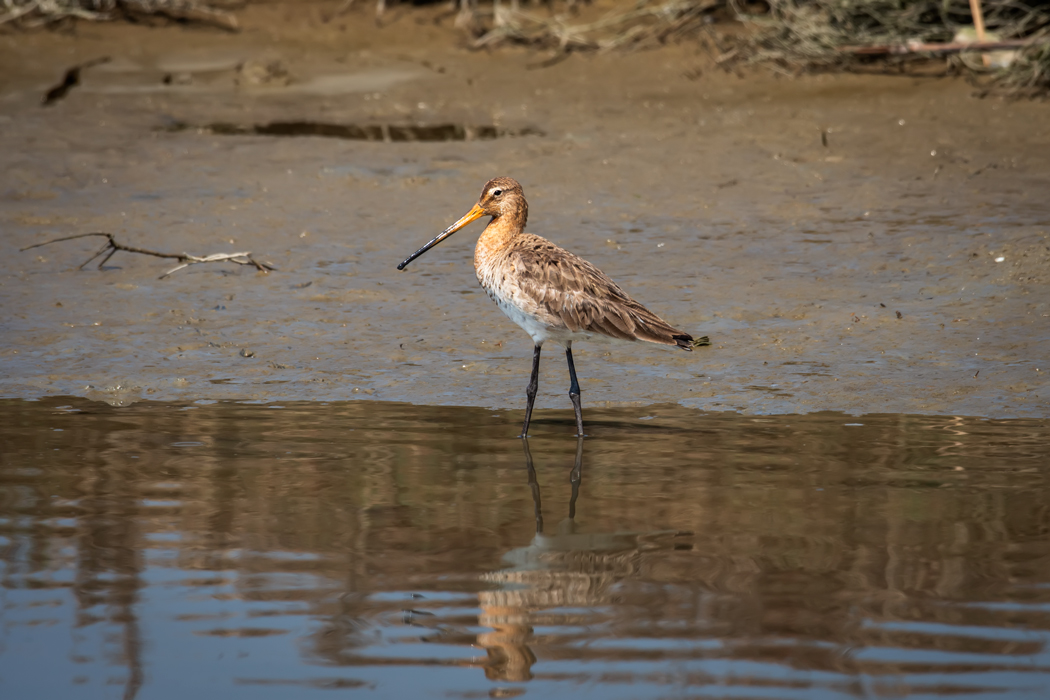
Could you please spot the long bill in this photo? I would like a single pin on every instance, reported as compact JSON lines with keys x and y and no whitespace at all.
{"x":473,"y":215}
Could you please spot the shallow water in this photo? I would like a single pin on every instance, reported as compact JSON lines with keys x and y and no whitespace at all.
{"x":247,"y":550}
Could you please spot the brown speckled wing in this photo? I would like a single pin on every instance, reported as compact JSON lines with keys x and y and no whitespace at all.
{"x":575,"y":295}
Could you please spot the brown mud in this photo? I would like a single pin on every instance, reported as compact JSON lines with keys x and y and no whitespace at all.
{"x":837,"y":237}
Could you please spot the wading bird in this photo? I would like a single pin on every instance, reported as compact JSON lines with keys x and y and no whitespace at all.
{"x":550,"y":292}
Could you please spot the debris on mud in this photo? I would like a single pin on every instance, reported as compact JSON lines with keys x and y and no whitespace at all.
{"x":1005,"y":44}
{"x":1006,"y":41}
{"x":111,"y":247}
{"x":645,"y":24}
{"x":36,"y":13}
{"x":70,"y":80}
{"x":385,"y":133}
{"x":263,"y":73}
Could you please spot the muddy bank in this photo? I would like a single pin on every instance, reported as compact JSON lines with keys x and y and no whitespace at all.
{"x":862,"y":244}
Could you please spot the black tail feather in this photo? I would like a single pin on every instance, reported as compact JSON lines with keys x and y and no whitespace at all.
{"x":687,"y":342}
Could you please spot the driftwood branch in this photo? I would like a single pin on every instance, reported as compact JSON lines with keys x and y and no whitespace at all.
{"x":112,"y":247}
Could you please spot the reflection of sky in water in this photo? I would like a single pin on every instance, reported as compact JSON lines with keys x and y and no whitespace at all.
{"x":418,"y":552}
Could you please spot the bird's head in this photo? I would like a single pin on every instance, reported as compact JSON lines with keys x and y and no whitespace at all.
{"x":501,"y":196}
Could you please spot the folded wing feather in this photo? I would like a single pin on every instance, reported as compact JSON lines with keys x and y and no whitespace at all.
{"x":578,"y":296}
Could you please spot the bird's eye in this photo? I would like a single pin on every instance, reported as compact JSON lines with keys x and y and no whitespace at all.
{"x":497,"y":193}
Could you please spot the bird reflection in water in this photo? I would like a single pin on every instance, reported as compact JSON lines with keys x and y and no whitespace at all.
{"x":507,"y":612}
{"x":564,"y":569}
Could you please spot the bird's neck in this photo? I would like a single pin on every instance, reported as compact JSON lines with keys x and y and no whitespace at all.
{"x":497,"y":236}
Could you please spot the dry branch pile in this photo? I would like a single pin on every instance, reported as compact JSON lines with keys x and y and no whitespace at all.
{"x":638,"y":24}
{"x":809,"y":34}
{"x":825,"y":34}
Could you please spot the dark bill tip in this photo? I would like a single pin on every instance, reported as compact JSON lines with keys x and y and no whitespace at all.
{"x":475,"y":213}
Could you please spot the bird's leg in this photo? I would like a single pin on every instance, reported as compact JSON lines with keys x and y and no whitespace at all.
{"x":575,"y":477}
{"x":530,"y":391}
{"x":535,"y":487}
{"x":574,"y":392}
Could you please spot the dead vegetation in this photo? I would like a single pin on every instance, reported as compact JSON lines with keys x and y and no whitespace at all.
{"x":801,"y":35}
{"x":37,"y":13}
{"x":638,"y":24}
{"x":1009,"y":49}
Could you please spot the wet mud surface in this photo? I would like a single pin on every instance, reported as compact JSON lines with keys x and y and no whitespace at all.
{"x":853,"y":243}
{"x":388,"y":550}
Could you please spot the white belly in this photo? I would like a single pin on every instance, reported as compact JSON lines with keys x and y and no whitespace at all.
{"x":530,"y":324}
{"x":516,"y":307}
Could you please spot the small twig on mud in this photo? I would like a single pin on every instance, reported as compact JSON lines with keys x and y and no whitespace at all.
{"x":978,"y":24}
{"x":111,"y":247}
{"x":70,"y":80}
